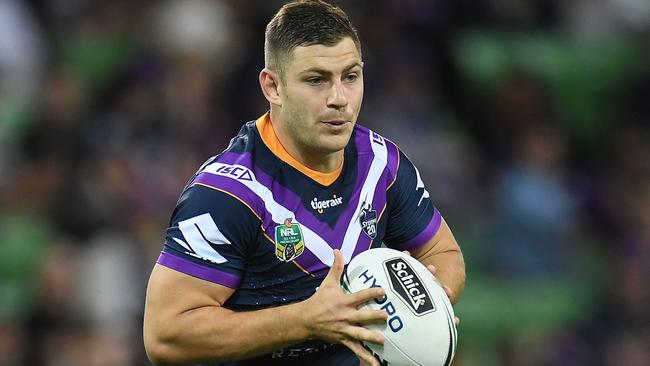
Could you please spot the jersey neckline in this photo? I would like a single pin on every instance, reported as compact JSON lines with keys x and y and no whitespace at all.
{"x":270,"y":139}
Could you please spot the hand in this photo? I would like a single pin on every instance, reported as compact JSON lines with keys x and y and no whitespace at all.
{"x":447,"y":289}
{"x":333,"y":316}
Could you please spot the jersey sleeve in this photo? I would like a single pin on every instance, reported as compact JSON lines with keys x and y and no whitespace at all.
{"x":412,"y":218}
{"x":210,"y":236}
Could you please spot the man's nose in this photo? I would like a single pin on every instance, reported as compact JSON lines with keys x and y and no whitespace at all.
{"x":337,"y":98}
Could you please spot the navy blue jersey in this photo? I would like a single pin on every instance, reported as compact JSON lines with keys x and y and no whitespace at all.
{"x":252,"y":222}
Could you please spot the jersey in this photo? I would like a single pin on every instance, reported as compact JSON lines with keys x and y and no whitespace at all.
{"x":251,"y":221}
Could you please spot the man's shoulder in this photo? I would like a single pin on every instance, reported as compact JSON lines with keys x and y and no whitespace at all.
{"x":241,"y":151}
{"x":365,"y":139}
{"x":244,"y":141}
{"x":371,"y":144}
{"x":245,"y":171}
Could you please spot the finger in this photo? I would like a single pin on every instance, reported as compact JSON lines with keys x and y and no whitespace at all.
{"x":457,"y":320}
{"x":432,"y":269}
{"x":369,"y":316}
{"x":336,"y":270}
{"x":406,"y":252}
{"x":366,"y":295}
{"x":448,"y":291}
{"x":364,"y":335}
{"x":364,"y":354}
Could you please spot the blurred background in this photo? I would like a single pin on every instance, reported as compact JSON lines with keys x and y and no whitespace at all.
{"x":529,"y":121}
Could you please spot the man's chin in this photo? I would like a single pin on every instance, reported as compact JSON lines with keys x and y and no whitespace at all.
{"x":334,"y":144}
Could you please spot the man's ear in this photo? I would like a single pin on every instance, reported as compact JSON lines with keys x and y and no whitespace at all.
{"x":271,"y":86}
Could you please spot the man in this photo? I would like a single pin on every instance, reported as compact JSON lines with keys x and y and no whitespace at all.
{"x":252,"y":259}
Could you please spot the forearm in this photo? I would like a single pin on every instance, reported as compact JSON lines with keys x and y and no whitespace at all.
{"x":213,"y":334}
{"x":450,"y":271}
{"x":443,"y":252}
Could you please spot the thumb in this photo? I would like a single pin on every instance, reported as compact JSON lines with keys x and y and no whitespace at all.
{"x":337,"y":268}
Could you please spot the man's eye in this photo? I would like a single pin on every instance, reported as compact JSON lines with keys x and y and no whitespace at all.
{"x":315,"y":81}
{"x":351,"y":77}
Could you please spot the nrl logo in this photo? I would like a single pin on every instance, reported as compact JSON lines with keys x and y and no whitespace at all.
{"x":368,"y":220}
{"x":289,"y":242}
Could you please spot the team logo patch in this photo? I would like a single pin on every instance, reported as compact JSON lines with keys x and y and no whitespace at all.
{"x":289,"y":242}
{"x":368,"y":220}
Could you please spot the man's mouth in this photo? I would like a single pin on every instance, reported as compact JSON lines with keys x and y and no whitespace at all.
{"x":335,"y":122}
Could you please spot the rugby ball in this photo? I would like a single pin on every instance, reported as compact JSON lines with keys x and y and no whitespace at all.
{"x":420,"y":329}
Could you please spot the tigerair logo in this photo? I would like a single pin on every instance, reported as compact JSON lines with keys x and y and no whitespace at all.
{"x":406,"y":283}
{"x":320,"y":206}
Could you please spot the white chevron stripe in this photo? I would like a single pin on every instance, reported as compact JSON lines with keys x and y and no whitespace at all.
{"x":201,"y":231}
{"x":367,"y":194}
{"x":279,"y":213}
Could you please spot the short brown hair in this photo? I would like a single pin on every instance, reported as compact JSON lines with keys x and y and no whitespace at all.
{"x":304,"y":23}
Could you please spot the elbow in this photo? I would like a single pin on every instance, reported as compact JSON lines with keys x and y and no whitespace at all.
{"x":163,"y":350}
{"x":158,"y":352}
{"x":164,"y":354}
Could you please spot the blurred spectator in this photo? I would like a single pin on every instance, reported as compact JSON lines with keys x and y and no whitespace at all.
{"x":535,"y":215}
{"x":21,"y":65}
{"x":528,"y":120}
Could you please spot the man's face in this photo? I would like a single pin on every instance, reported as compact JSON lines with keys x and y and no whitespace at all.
{"x":321,"y":96}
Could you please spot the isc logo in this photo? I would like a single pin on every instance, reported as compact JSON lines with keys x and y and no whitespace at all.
{"x":377,"y":139}
{"x":235,"y":171}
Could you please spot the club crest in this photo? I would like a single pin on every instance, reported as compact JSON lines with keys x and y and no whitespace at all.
{"x":289,"y":242}
{"x":368,"y":220}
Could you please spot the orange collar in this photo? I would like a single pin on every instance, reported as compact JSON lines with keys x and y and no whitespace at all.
{"x":270,"y":139}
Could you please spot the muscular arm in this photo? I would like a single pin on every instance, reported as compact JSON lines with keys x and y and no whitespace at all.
{"x":443,"y":252}
{"x":185,"y":322}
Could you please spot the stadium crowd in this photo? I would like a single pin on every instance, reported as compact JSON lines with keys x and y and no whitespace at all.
{"x":529,"y":120}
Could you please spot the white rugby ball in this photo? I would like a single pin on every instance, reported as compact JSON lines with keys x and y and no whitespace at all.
{"x":420,"y":329}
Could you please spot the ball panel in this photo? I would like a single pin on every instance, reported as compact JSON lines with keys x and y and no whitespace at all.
{"x":420,"y":327}
{"x":390,"y":354}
